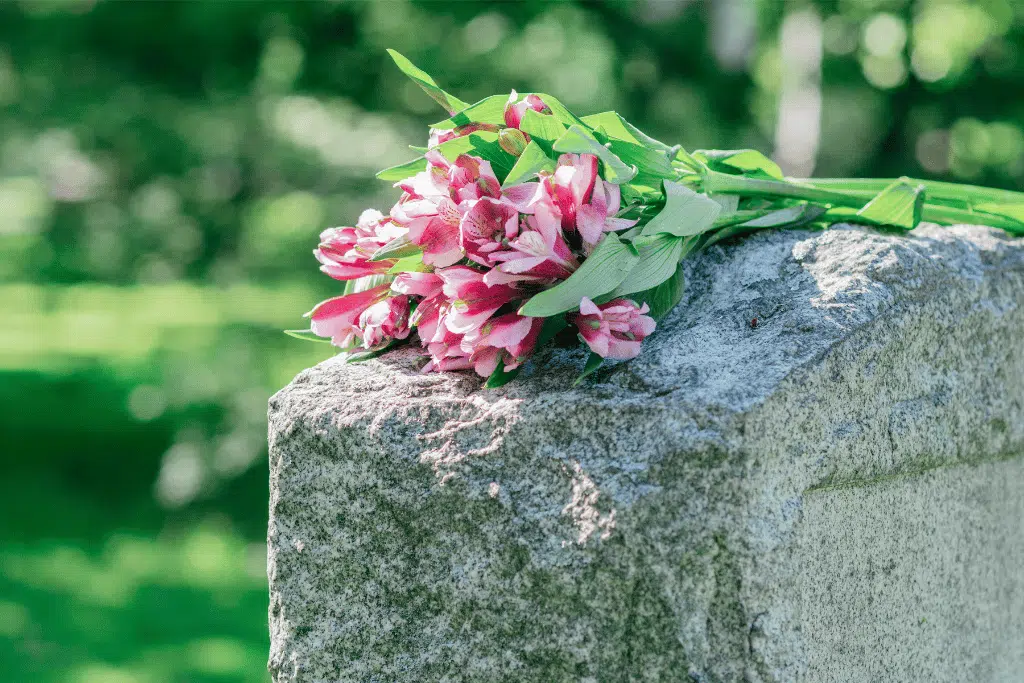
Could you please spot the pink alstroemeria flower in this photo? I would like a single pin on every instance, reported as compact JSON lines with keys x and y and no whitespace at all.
{"x":338,"y":318}
{"x":385,"y":320}
{"x":515,"y":108}
{"x":426,"y":285}
{"x":472,"y":301}
{"x":598,"y":217}
{"x":344,"y":253}
{"x":435,"y":200}
{"x":509,"y":338}
{"x":540,"y":250}
{"x":487,"y":227}
{"x":615,"y":329}
{"x":571,"y":185}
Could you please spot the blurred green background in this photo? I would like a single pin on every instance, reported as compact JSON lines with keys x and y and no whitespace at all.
{"x":166,"y":167}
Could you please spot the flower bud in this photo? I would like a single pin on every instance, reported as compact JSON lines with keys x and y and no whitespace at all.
{"x":513,"y":141}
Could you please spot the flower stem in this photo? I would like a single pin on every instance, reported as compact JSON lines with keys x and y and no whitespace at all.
{"x":855,"y":194}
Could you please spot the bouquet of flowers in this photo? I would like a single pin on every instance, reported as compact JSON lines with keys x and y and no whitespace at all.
{"x":521,"y":222}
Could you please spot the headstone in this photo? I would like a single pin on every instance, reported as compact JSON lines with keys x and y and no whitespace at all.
{"x":834,"y":492}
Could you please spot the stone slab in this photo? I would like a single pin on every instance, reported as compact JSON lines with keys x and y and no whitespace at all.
{"x":832,"y":495}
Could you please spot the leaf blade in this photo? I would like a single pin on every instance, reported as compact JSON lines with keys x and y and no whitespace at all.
{"x":421,"y":78}
{"x":686,"y":213}
{"x":601,"y":273}
{"x":899,"y":205}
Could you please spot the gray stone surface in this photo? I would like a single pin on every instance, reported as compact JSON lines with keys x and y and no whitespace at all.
{"x":834,"y":495}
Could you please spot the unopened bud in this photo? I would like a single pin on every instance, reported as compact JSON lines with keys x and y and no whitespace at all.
{"x":513,"y":141}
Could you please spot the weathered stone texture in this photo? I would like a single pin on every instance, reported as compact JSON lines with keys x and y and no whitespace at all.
{"x":836,"y":494}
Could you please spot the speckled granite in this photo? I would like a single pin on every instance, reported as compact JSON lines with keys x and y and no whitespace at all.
{"x":836,"y":494}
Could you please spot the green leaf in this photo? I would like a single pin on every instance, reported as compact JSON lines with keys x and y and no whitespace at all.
{"x":490,"y":110}
{"x":686,"y":212}
{"x":409,"y":264}
{"x":483,"y":144}
{"x":619,"y":128}
{"x":799,"y":213}
{"x":543,"y":129}
{"x":400,"y":247}
{"x":550,"y":329}
{"x":578,"y":140}
{"x":403,"y":171}
{"x":499,"y":377}
{"x":648,"y":161}
{"x":898,"y":206}
{"x":451,"y":103}
{"x":746,"y":160}
{"x":659,"y":257}
{"x":559,"y":110}
{"x":307,"y":335}
{"x":601,"y":273}
{"x":532,"y":161}
{"x":664,"y":297}
{"x":1004,"y":209}
{"x":593,"y":363}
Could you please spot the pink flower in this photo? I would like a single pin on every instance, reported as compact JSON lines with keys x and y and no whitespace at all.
{"x":598,"y":217}
{"x":471,"y":300}
{"x":338,"y":318}
{"x":424,"y":285}
{"x":509,"y":338}
{"x":385,"y":320}
{"x":615,"y":329}
{"x":487,"y":227}
{"x":514,"y":110}
{"x":540,"y":250}
{"x":435,"y":200}
{"x":572,"y":184}
{"x":344,"y":253}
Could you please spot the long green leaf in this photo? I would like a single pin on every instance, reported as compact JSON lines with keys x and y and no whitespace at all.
{"x":307,"y":335}
{"x":490,"y":110}
{"x":601,"y":273}
{"x":747,"y":160}
{"x":686,"y":212}
{"x":899,"y":206}
{"x":619,"y":128}
{"x":400,"y":247}
{"x":403,"y":171}
{"x":560,"y":111}
{"x":409,"y":264}
{"x":451,"y":103}
{"x":659,"y":257}
{"x":500,"y":377}
{"x":483,"y":144}
{"x":664,"y":297}
{"x":532,"y":161}
{"x":593,"y":363}
{"x":543,"y":129}
{"x":647,"y":161}
{"x":580,"y":141}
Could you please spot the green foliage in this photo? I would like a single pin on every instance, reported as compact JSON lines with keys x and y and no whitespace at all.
{"x":580,"y":141}
{"x":423,"y":79}
{"x":602,"y":272}
{"x":686,"y":212}
{"x":532,"y":161}
{"x":897,"y":206}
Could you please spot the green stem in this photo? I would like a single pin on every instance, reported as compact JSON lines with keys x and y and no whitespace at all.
{"x":934,"y":188}
{"x":855,"y":197}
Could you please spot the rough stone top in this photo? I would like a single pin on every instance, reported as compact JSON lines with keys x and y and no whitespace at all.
{"x":754,"y":313}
